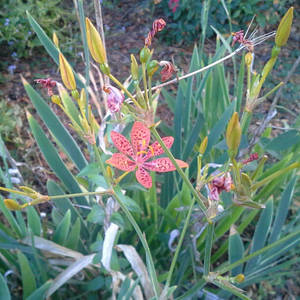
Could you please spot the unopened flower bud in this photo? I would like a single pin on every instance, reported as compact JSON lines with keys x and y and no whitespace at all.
{"x":105,"y":68}
{"x":233,"y":134}
{"x":239,"y":278}
{"x":284,"y":28}
{"x":203,"y":145}
{"x":75,"y":94}
{"x":144,"y":55}
{"x":248,"y":59}
{"x":55,"y":39}
{"x":114,"y":98}
{"x":56,"y":99}
{"x":134,"y":68}
{"x":12,"y":204}
{"x":275,"y":51}
{"x":66,"y":73}
{"x":152,"y":67}
{"x":95,"y":43}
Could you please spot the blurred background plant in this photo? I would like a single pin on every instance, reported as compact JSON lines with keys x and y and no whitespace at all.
{"x":16,"y":37}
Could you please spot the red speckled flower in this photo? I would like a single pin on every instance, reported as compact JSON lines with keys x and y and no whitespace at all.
{"x":140,"y":153}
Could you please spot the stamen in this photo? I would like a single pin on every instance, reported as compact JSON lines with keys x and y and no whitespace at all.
{"x":152,"y":150}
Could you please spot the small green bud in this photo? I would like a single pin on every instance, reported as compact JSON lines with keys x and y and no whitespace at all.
{"x":56,"y":99}
{"x":105,"y":68}
{"x":233,"y":134}
{"x":239,"y":278}
{"x":134,"y":68}
{"x":66,"y":73}
{"x":75,"y":94}
{"x":12,"y":204}
{"x":284,"y":28}
{"x":248,"y":59}
{"x":95,"y":43}
{"x":144,"y":55}
{"x":203,"y":145}
{"x":275,"y":51}
{"x":152,"y":67}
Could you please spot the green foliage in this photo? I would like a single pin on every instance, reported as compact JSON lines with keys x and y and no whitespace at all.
{"x":105,"y":227}
{"x":17,"y":37}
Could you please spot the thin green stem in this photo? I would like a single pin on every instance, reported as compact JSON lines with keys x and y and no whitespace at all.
{"x":145,"y":84}
{"x":123,"y":88}
{"x":199,"y":197}
{"x":150,"y":90}
{"x":174,"y":260}
{"x":208,"y":247}
{"x":258,"y":252}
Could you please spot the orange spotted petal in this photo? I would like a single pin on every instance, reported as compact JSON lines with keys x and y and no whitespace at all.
{"x":155,"y":149}
{"x":121,"y":162}
{"x":121,"y":143}
{"x":143,"y":178}
{"x":163,"y":164}
{"x":140,"y":137}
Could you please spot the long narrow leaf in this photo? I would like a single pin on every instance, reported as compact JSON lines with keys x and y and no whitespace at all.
{"x":54,"y":160}
{"x":56,"y":127}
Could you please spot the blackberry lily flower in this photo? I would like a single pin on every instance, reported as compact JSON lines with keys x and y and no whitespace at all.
{"x":140,"y":153}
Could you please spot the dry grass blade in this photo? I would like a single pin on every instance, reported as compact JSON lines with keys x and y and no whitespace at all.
{"x":139,"y":267}
{"x":68,"y":273}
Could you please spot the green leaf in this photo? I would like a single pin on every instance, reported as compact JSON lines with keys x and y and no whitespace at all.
{"x":193,"y":137}
{"x":64,"y":204}
{"x":54,"y":160}
{"x":69,"y":106}
{"x":260,"y":234}
{"x":235,"y":252}
{"x":62,"y":230}
{"x":33,"y":220}
{"x":284,"y":141}
{"x":96,"y":215}
{"x":46,"y":42}
{"x":28,"y":280}
{"x":40,"y":293}
{"x":4,"y":291}
{"x":74,"y":235}
{"x":56,"y":127}
{"x":282,"y":210}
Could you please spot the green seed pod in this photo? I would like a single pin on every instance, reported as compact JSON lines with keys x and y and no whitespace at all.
{"x":105,"y":69}
{"x":233,"y":134}
{"x":134,"y":68}
{"x":152,"y":67}
{"x":275,"y":51}
{"x":144,"y":55}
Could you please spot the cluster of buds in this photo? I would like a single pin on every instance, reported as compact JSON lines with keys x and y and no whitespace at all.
{"x":158,"y":25}
{"x":255,"y":84}
{"x":26,"y":192}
